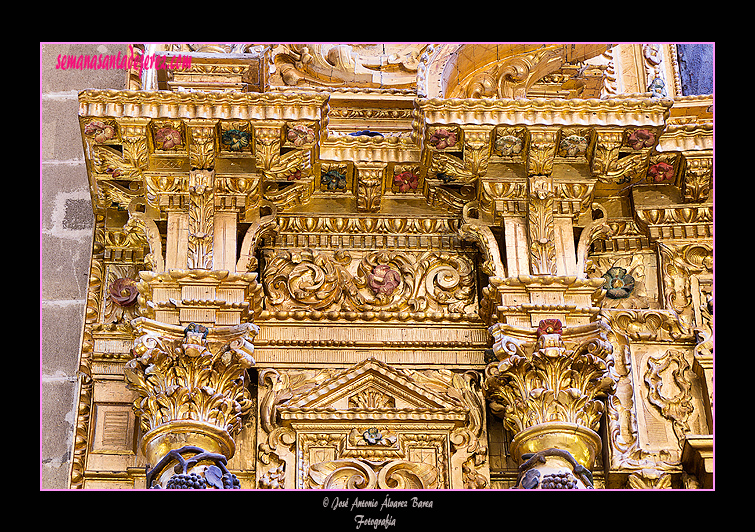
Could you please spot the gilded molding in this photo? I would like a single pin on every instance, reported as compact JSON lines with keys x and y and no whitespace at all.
{"x":208,"y":105}
{"x":545,"y":112}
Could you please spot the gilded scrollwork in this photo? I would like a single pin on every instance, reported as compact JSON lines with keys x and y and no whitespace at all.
{"x":679,"y":407}
{"x":307,"y":279}
{"x":475,"y":156}
{"x":358,"y":474}
{"x":371,"y":214}
{"x":679,"y":263}
{"x":274,"y":162}
{"x":383,"y":281}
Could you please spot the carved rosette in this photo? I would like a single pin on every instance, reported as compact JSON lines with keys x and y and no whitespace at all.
{"x":547,"y":385}
{"x":191,"y":384}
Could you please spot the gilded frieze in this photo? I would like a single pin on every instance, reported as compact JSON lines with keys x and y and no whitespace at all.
{"x":380,"y":281}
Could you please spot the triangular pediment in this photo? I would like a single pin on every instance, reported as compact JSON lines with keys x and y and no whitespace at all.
{"x":371,"y":384}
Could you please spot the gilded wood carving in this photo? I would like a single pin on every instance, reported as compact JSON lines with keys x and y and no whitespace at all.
{"x":422,"y":247}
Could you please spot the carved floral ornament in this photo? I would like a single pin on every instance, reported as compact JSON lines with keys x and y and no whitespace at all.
{"x":406,"y":181}
{"x":123,"y":292}
{"x":101,"y":131}
{"x":235,"y":140}
{"x":168,"y":137}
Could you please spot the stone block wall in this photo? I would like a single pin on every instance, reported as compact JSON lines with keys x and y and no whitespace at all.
{"x":66,"y":223}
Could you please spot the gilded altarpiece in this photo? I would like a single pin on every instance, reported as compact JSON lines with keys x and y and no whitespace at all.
{"x":444,"y":267}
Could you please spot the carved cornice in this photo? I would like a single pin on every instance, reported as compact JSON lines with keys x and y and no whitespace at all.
{"x":526,"y":299}
{"x":366,"y":148}
{"x":674,"y":222}
{"x":545,"y":112}
{"x":686,"y":137}
{"x":225,"y":106}
{"x":204,"y":296}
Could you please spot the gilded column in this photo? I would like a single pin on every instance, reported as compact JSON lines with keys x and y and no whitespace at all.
{"x":547,"y":385}
{"x":191,"y":387}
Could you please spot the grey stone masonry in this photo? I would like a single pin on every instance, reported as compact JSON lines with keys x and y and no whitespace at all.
{"x":66,"y":227}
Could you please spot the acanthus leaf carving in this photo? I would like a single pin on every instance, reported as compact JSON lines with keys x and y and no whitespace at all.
{"x":201,"y":219}
{"x":542,"y":247}
{"x":550,"y":380}
{"x":383,"y":281}
{"x":178,"y":377}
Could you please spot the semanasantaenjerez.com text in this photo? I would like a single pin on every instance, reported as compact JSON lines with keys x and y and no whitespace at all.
{"x":134,"y":59}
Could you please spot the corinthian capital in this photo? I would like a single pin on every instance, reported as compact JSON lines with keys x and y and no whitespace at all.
{"x":191,"y":385}
{"x":550,"y":382}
